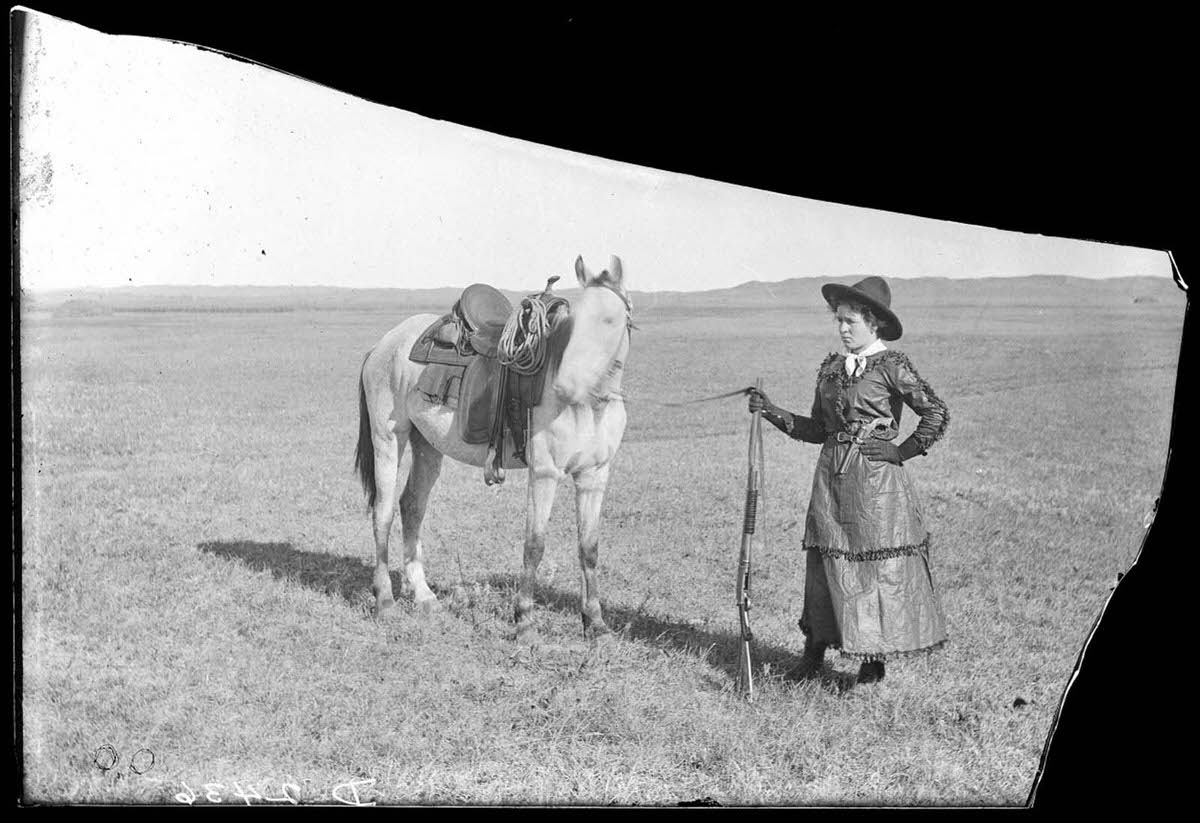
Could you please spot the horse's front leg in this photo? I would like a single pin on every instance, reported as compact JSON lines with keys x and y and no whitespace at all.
{"x":589,"y":494}
{"x":542,"y":488}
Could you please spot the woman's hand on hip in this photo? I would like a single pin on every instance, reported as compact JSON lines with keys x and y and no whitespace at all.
{"x":881,"y":450}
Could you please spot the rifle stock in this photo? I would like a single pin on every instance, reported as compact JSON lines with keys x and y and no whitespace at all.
{"x":745,"y":674}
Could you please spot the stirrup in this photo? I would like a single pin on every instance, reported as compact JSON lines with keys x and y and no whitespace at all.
{"x":493,"y":472}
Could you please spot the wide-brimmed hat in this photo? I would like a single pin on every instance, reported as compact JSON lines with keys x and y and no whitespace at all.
{"x":873,"y":292}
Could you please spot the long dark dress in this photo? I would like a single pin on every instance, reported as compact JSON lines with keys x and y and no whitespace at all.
{"x":868,"y":586}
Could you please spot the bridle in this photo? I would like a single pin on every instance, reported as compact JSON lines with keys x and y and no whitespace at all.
{"x":607,"y":284}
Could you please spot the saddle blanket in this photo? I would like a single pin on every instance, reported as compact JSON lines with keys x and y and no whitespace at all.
{"x":471,"y":391}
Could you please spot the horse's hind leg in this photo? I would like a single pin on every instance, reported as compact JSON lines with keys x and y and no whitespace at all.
{"x":589,"y":494}
{"x":388,"y":449}
{"x":426,"y":466}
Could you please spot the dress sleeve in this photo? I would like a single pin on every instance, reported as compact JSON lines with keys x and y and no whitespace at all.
{"x":809,"y":429}
{"x":919,"y":396}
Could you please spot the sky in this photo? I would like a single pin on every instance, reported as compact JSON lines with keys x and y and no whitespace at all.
{"x":146,"y":162}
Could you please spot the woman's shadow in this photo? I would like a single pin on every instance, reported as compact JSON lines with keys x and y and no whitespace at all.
{"x":350,"y":579}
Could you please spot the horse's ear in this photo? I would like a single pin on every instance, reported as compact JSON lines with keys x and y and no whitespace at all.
{"x":581,"y":272}
{"x":614,"y":271}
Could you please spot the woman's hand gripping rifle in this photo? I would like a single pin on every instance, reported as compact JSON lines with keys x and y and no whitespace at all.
{"x":754,"y":485}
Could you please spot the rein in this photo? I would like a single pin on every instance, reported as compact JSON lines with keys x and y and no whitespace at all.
{"x":722,"y":396}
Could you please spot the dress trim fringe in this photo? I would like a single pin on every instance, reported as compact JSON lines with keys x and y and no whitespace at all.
{"x":867,"y":657}
{"x":934,"y":436}
{"x":870,"y":554}
{"x":870,"y":657}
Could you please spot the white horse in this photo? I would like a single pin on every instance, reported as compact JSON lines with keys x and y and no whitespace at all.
{"x":575,"y":430}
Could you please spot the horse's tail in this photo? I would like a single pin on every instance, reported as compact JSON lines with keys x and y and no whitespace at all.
{"x":364,"y":453}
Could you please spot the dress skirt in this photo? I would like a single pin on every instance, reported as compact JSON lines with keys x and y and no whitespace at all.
{"x":868,"y":586}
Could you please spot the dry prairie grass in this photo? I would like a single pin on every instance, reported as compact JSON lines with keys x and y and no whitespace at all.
{"x":196,"y":571}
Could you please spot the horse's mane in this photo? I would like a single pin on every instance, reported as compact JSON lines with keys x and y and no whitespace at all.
{"x":557,"y":340}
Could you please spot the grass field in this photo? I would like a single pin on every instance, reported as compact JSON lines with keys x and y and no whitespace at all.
{"x":196,"y":567}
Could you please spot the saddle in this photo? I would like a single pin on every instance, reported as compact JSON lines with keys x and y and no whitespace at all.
{"x":472,"y":326}
{"x":463,"y":371}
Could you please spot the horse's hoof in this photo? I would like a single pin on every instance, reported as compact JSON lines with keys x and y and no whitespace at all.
{"x":597,"y":632}
{"x":593,"y":624}
{"x":430,"y":606}
{"x":382,"y":607}
{"x":527,"y":632}
{"x":602,"y":641}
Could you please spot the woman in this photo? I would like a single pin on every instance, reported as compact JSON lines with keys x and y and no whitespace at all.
{"x":868,"y":589}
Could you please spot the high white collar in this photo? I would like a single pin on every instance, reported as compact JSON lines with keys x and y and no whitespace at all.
{"x":855,"y":363}
{"x":874,"y":348}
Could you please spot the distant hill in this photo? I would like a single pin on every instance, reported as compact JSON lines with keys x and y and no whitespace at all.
{"x":1033,"y":290}
{"x":82,"y":307}
{"x":1040,"y":289}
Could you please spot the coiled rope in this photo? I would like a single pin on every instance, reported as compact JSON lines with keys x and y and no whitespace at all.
{"x":522,"y":346}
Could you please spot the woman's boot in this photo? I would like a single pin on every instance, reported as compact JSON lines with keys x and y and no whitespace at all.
{"x":810,"y":662}
{"x":871,"y":671}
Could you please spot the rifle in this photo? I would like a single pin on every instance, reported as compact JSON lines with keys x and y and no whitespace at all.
{"x":754,"y":484}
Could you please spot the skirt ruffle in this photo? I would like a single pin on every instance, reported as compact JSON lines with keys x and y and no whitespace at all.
{"x":873,"y":609}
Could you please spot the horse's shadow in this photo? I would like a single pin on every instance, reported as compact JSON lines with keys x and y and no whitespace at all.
{"x":330,"y":574}
{"x":720,"y":648}
{"x":350,"y":579}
